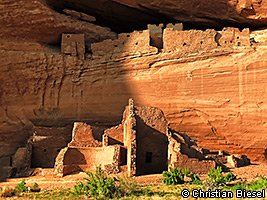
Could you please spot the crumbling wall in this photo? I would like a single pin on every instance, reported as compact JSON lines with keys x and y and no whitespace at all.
{"x":230,"y":37}
{"x":177,"y":26}
{"x":129,"y":131}
{"x":152,"y":141}
{"x":46,"y":143}
{"x":73,"y":44}
{"x":72,"y":160}
{"x":192,"y":40}
{"x":82,"y":136}
{"x":21,"y":161}
{"x":114,"y":135}
{"x":194,"y":165}
{"x":127,"y":44}
{"x":156,"y":35}
{"x":84,"y":153}
{"x":177,"y":159}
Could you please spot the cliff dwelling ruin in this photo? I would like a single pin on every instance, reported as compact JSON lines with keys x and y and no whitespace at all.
{"x":149,"y":139}
{"x":142,"y":144}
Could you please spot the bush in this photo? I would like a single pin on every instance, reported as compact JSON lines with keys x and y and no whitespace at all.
{"x":229,"y":177}
{"x":193,"y":176}
{"x":216,"y":176}
{"x":127,"y":186}
{"x":21,"y":187}
{"x":173,"y":177}
{"x":35,"y":185}
{"x":100,"y":185}
{"x":195,"y":179}
{"x":217,"y":179}
{"x":35,"y":188}
{"x":176,"y":176}
{"x":81,"y":189}
{"x":187,"y":172}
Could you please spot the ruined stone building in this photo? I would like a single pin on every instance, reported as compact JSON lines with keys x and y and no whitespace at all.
{"x":73,"y":44}
{"x":170,"y":39}
{"x":143,"y":143}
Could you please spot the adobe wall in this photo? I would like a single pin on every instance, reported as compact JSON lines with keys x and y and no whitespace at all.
{"x":114,"y":135}
{"x":156,"y":35}
{"x":194,"y":165}
{"x":130,"y":137}
{"x":73,"y":44}
{"x":192,"y":40}
{"x":197,"y":40}
{"x":177,"y":157}
{"x":82,"y":136}
{"x":85,"y":159}
{"x":52,"y":131}
{"x":91,"y":156}
{"x":152,"y":141}
{"x":46,"y":143}
{"x":126,"y":44}
{"x":177,"y":26}
{"x":229,"y":37}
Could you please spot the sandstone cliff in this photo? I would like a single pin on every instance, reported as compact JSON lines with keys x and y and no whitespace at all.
{"x":198,"y":12}
{"x":216,"y":96}
{"x":217,"y":93}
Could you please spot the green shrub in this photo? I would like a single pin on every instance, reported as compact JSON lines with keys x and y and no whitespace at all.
{"x":176,"y":176}
{"x":217,"y":179}
{"x":216,"y":176}
{"x":195,"y":179}
{"x":100,"y":185}
{"x":81,"y":189}
{"x":35,"y":185}
{"x":229,"y":177}
{"x":128,"y":186}
{"x":21,"y":187}
{"x":173,"y":177}
{"x":35,"y":188}
{"x":187,"y":172}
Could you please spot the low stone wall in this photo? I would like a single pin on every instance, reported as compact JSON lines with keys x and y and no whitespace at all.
{"x":194,"y":165}
{"x":126,"y":44}
{"x":193,"y":40}
{"x":85,"y":159}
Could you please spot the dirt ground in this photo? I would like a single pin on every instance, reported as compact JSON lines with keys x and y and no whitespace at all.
{"x":47,"y":181}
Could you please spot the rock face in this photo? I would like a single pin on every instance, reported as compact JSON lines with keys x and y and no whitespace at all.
{"x":207,"y":12}
{"x":215,"y":95}
{"x":211,"y":87}
{"x":35,"y":21}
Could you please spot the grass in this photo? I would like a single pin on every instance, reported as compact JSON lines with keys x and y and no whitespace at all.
{"x":259,"y":184}
{"x":145,"y":192}
{"x":100,"y":184}
{"x":160,"y":191}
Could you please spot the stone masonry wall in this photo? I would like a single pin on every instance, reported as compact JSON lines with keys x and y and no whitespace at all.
{"x":126,"y":44}
{"x":73,"y":44}
{"x":72,"y":160}
{"x":234,"y":37}
{"x":192,"y":40}
{"x":177,"y":159}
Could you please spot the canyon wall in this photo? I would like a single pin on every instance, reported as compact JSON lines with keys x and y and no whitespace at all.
{"x":199,"y":12}
{"x":216,"y":96}
{"x":211,"y":87}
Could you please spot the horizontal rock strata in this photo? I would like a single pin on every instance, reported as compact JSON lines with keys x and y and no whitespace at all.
{"x":215,"y":96}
